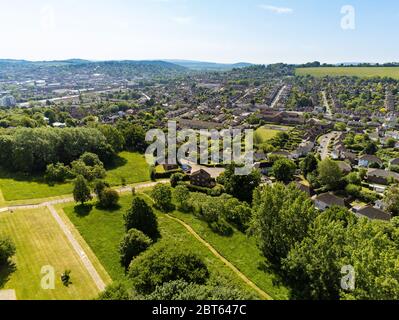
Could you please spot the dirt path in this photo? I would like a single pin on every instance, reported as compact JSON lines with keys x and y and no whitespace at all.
{"x":224,"y":260}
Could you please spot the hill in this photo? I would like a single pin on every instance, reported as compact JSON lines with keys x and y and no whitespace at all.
{"x":208,"y":66}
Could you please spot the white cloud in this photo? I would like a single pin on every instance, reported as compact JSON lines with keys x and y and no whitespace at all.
{"x":182,"y":20}
{"x":278,"y":10}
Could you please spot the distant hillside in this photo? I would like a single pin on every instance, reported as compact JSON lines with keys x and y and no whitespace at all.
{"x":208,"y":66}
{"x":125,"y":69}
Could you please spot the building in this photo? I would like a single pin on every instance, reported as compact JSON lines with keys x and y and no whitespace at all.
{"x":369,"y":160}
{"x":303,"y":149}
{"x":328,"y":200}
{"x":201,"y":178}
{"x":380,"y":176}
{"x":372,"y":213}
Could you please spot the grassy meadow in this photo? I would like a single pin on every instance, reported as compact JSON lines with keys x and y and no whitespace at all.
{"x":362,"y":72}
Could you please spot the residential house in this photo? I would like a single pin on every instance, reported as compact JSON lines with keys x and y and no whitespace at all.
{"x":303,"y":149}
{"x":369,"y":160}
{"x":328,"y":200}
{"x":372,"y":213}
{"x":380,"y":176}
{"x":345,"y":167}
{"x":202,"y":178}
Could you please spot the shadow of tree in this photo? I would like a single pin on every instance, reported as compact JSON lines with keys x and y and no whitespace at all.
{"x":83,"y":210}
{"x":5,"y":273}
{"x":116,"y":163}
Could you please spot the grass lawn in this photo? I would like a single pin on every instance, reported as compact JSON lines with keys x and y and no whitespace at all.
{"x":15,"y":187}
{"x":364,"y":72}
{"x":264,"y":134}
{"x":20,"y":187}
{"x":131,"y":166}
{"x":241,"y":251}
{"x":103,"y":231}
{"x":40,"y":242}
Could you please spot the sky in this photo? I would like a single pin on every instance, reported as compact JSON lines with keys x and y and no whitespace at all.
{"x":226,"y":31}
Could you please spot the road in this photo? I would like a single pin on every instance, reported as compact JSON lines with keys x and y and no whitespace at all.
{"x":326,"y":104}
{"x":324,"y":144}
{"x":277,"y":99}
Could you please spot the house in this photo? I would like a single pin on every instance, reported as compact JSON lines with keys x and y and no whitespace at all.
{"x":328,"y":200}
{"x":304,"y":188}
{"x":372,"y":213}
{"x":303,"y":149}
{"x":352,"y":157}
{"x":369,"y":160}
{"x":380,"y":176}
{"x":394,"y":162}
{"x":259,"y":156}
{"x":59,"y":125}
{"x":345,"y":167}
{"x":201,"y":178}
{"x":282,"y":153}
{"x":170,"y":167}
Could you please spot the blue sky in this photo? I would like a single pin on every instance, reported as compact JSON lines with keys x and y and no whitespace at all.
{"x":258,"y":31}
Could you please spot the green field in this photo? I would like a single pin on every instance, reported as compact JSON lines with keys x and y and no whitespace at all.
{"x":131,"y":166}
{"x":363,"y":72}
{"x":263,"y":135}
{"x":103,"y":231}
{"x":40,"y":242}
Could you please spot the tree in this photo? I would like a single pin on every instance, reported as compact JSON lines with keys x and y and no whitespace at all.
{"x":309,"y":164}
{"x":7,"y":250}
{"x":81,"y":190}
{"x":353,"y":178}
{"x":164,"y":264}
{"x":330,"y":174}
{"x":281,"y":218}
{"x":109,"y":198}
{"x":175,"y":179}
{"x":134,"y":243}
{"x":391,"y":200}
{"x":57,"y":173}
{"x":182,"y":195}
{"x":313,"y":266}
{"x":116,"y":291}
{"x":99,"y":187}
{"x":162,"y":196}
{"x":284,"y":170}
{"x":370,"y":148}
{"x":240,"y":186}
{"x":141,"y":217}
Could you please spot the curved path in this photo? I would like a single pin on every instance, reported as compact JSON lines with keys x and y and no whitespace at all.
{"x":223,"y":259}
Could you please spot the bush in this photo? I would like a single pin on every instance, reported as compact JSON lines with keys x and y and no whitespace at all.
{"x":162,"y":196}
{"x":141,"y":217}
{"x":109,"y":198}
{"x":57,"y":173}
{"x":7,"y":250}
{"x":134,"y":243}
{"x":353,"y":190}
{"x":176,"y":178}
{"x":164,"y":264}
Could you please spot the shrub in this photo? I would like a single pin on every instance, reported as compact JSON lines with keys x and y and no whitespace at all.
{"x":109,"y":198}
{"x":134,"y":243}
{"x":176,"y":178}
